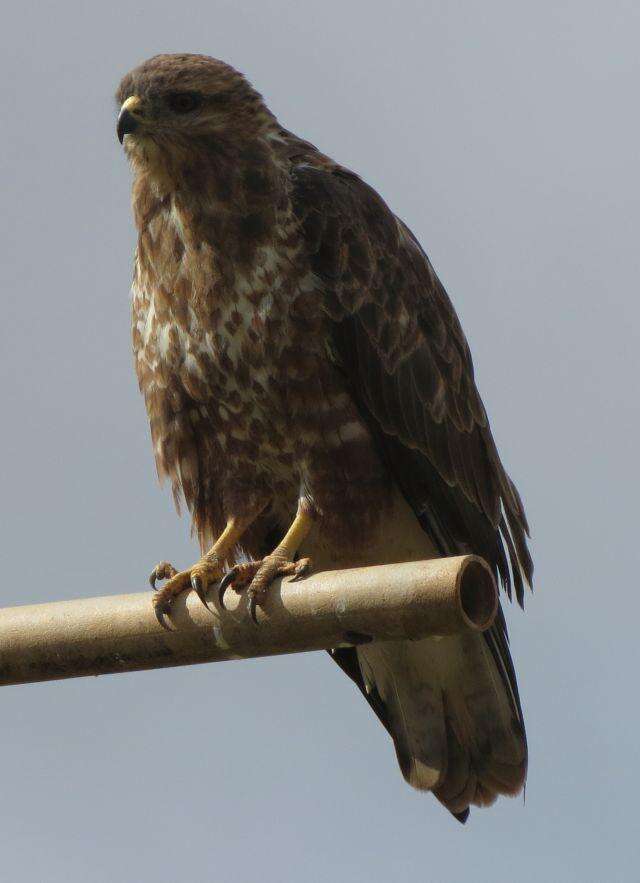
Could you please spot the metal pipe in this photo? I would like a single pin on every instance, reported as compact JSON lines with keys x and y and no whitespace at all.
{"x":119,"y":633}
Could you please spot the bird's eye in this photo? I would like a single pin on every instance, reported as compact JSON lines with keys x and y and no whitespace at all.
{"x":184,"y":102}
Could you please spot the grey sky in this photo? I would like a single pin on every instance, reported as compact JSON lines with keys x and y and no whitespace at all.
{"x":506,"y":135}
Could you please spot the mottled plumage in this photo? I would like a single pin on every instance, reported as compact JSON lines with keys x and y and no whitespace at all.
{"x":297,"y":352}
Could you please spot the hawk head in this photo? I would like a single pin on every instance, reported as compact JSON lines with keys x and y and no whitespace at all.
{"x":171,"y":104}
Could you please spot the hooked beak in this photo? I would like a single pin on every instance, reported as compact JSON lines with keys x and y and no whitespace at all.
{"x":129,"y":117}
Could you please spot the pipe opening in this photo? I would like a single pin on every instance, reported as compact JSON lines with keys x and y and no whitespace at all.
{"x":478,"y":595}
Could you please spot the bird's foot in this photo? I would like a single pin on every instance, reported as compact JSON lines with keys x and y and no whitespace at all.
{"x":257,"y":576}
{"x":199,"y":578}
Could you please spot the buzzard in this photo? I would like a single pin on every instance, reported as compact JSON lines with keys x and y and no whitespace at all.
{"x":311,"y":397}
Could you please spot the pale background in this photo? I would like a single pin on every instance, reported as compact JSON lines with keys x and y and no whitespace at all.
{"x":506,"y":134}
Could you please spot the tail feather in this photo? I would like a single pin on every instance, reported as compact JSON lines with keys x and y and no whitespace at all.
{"x":452,"y":719}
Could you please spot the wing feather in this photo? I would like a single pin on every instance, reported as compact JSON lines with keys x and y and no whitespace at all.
{"x":395,"y":334}
{"x":399,"y":341}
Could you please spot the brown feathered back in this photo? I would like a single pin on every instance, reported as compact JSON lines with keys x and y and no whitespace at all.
{"x":398,"y":340}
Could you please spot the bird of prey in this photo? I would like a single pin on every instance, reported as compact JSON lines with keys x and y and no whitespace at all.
{"x":311,"y":396}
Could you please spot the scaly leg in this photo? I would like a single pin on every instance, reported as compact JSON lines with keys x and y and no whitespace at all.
{"x":199,"y":577}
{"x":259,"y":575}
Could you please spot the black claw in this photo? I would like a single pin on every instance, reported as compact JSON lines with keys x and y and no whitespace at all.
{"x":253,"y":607}
{"x":160,"y":612}
{"x":225,"y":582}
{"x":198,"y":587}
{"x":152,"y":579}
